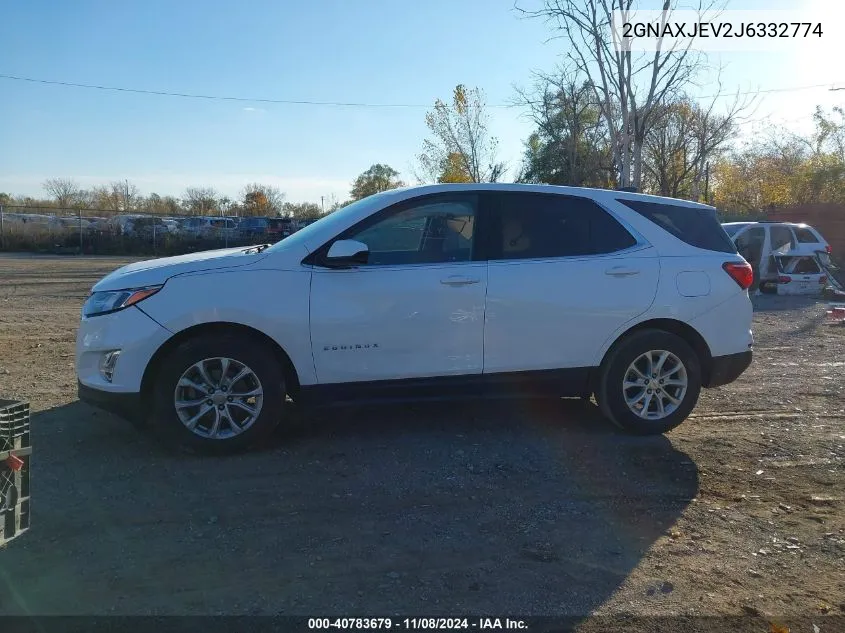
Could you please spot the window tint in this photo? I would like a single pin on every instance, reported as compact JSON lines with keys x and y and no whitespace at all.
{"x":430,"y":232}
{"x":606,"y":234}
{"x":805,"y":236}
{"x":696,"y":226}
{"x":535,"y":226}
{"x":781,"y":238}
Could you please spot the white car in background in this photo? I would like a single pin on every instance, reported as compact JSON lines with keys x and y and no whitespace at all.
{"x":486,"y":290}
{"x":33,"y":222}
{"x":172,"y":225}
{"x":760,"y":242}
{"x":799,"y":275}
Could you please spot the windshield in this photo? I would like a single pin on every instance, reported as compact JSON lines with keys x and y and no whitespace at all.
{"x":336,"y":219}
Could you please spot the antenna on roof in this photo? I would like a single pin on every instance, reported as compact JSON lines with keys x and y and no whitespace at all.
{"x":627,"y":189}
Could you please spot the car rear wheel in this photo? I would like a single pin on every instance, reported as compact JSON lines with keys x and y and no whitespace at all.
{"x":650,"y":382}
{"x":218,"y":394}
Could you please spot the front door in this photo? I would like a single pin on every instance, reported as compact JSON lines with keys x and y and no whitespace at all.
{"x":416,"y":309}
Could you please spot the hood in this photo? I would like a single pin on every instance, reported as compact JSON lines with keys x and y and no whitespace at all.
{"x":157,"y":271}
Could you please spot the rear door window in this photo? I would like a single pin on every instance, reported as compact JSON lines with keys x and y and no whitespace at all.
{"x":696,"y":226}
{"x":539,"y":226}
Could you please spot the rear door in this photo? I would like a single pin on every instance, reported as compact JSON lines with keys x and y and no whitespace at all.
{"x":563,"y":275}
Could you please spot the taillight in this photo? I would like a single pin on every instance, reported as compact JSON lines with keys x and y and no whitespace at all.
{"x":742,"y":273}
{"x":828,"y":248}
{"x":784,"y":279}
{"x":822,"y":279}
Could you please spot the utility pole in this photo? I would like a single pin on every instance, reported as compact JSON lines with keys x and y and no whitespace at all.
{"x":707,"y":183}
{"x":322,"y":206}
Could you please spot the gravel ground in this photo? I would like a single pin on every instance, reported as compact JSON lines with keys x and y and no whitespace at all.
{"x":524,"y":507}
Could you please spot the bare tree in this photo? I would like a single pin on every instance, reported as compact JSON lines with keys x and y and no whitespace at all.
{"x":685,"y":138}
{"x":629,"y":88}
{"x":460,"y":135}
{"x":125,"y":194}
{"x":201,"y":200}
{"x":65,"y":190}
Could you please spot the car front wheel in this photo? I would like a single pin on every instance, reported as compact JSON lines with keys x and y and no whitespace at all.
{"x":650,"y":382}
{"x":218,"y":394}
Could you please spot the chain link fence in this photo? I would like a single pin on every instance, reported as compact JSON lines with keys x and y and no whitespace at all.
{"x":115,"y":232}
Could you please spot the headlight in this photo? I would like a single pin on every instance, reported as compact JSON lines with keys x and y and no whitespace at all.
{"x":113,"y":300}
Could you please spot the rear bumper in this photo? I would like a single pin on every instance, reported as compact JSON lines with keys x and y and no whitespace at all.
{"x":124,"y":405}
{"x":726,"y":369}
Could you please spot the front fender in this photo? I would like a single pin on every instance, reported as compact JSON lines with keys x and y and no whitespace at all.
{"x":274,"y":302}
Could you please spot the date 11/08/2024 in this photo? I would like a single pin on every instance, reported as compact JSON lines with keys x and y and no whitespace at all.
{"x":480,"y":624}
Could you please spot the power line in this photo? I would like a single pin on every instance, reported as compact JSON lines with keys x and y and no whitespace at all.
{"x":350,"y":104}
{"x":164,"y":93}
{"x":828,"y":85}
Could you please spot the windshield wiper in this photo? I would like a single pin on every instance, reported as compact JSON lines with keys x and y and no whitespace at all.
{"x":257,"y":249}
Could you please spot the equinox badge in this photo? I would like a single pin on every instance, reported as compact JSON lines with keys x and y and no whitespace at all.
{"x":335,"y":348}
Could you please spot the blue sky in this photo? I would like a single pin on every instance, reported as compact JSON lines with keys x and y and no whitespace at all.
{"x":384,"y":51}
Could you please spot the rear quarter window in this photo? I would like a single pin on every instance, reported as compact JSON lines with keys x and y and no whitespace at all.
{"x":696,"y":226}
{"x":805,"y":236}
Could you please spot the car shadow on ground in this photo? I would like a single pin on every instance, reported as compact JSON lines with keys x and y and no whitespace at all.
{"x":512,"y":507}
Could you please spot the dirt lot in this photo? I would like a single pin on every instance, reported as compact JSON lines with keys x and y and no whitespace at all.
{"x":526,"y":507}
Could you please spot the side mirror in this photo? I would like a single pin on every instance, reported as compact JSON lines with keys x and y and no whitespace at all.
{"x":347,"y":253}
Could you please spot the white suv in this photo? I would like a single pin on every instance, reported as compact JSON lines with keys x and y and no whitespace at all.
{"x":445,"y":290}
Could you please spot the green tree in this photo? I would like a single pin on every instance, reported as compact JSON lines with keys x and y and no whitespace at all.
{"x":782,"y":169}
{"x":376,"y":179}
{"x":302,"y":210}
{"x":570,"y":145}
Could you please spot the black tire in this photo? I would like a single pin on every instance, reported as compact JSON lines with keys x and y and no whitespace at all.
{"x":165,"y":421}
{"x":609,"y":393}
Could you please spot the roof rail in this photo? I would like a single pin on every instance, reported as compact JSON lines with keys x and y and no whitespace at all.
{"x":628,"y":189}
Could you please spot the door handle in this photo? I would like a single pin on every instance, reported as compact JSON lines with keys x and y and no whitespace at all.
{"x":621,"y":271}
{"x":459,"y":280}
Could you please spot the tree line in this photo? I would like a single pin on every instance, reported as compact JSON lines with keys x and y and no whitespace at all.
{"x":606,"y":117}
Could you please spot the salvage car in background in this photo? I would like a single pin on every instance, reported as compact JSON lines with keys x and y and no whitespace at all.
{"x":760,"y":242}
{"x":208,"y":227}
{"x":799,"y":275}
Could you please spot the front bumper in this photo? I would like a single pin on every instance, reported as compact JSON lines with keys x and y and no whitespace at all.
{"x":726,"y":369}
{"x":131,"y":331}
{"x":124,"y":405}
